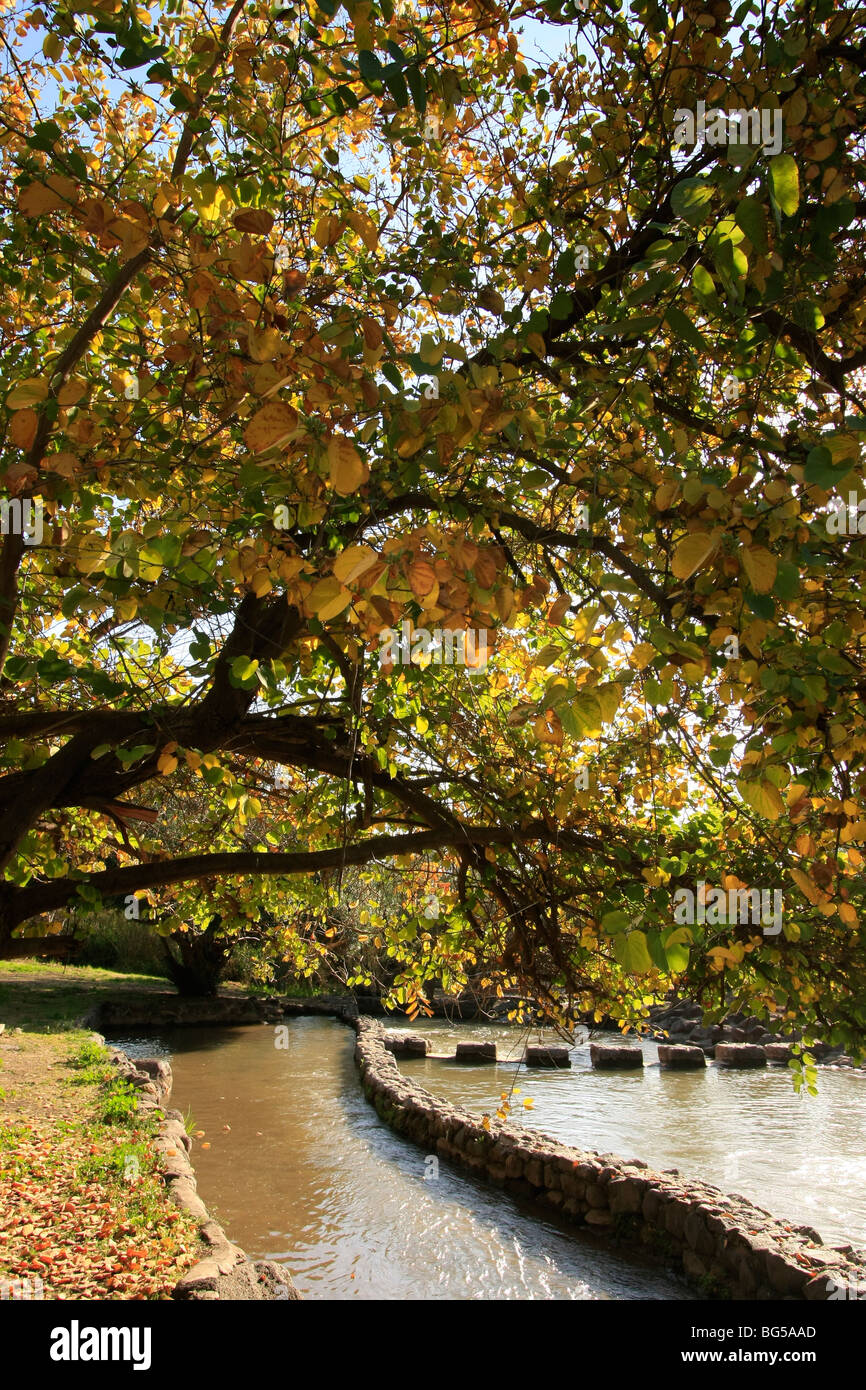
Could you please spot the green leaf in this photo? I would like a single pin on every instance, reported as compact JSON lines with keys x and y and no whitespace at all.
{"x":418,"y":88}
{"x":689,"y":199}
{"x":677,"y":953}
{"x":392,"y":76}
{"x":587,"y":714}
{"x":632,"y":952}
{"x":243,"y":672}
{"x":787,"y":585}
{"x":752,"y":219}
{"x":703,"y":282}
{"x":784,"y":184}
{"x":73,"y":600}
{"x":680,"y":324}
{"x":613,"y":922}
{"x":128,"y":756}
{"x":371,"y":68}
{"x":821,"y":470}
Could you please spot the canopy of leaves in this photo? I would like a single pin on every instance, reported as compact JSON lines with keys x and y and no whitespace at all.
{"x":316,"y":323}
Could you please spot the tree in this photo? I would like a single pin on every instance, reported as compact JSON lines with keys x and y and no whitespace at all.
{"x":325,"y":323}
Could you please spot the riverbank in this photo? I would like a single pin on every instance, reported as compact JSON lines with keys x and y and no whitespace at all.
{"x":97,"y":1193}
{"x":83,"y":1208}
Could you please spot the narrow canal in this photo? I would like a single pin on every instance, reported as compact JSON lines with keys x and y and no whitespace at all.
{"x":300,"y":1169}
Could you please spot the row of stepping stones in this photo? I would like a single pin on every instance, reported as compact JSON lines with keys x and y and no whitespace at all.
{"x":604,"y":1056}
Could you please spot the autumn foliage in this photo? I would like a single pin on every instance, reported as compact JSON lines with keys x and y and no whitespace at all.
{"x":319,"y":321}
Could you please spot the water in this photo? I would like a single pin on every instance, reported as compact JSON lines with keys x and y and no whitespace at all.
{"x":301,"y":1170}
{"x":800,"y":1157}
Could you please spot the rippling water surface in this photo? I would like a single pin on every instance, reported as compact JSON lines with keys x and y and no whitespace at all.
{"x":801,"y":1157}
{"x":301,"y":1170}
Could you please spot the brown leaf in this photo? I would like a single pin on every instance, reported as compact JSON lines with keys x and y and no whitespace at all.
{"x":22,"y":429}
{"x":274,"y":424}
{"x":254,"y":220}
{"x":422,"y":577}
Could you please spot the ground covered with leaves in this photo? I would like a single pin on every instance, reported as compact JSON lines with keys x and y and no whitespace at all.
{"x":82,"y":1204}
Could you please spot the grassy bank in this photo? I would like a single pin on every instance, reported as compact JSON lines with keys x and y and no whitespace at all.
{"x":82,"y":1205}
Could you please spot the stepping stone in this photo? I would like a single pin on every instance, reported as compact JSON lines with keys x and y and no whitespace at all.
{"x":410,"y":1045}
{"x":741,"y":1055}
{"x":607,"y":1056}
{"x":778,"y":1052}
{"x":475,"y":1052}
{"x":681,"y":1058}
{"x":537,"y":1055}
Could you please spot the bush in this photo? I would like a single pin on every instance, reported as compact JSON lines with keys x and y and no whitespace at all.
{"x":110,"y":941}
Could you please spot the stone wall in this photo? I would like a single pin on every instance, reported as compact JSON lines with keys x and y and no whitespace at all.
{"x":722,"y":1243}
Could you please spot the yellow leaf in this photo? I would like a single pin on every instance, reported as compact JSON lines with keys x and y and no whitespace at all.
{"x":642,"y":655}
{"x":327,"y":230}
{"x":166,"y":763}
{"x":691,"y":553}
{"x":365,"y":227}
{"x":27,"y":393}
{"x":91,"y":554}
{"x":264,"y":347}
{"x":348,"y":469}
{"x":806,"y":886}
{"x":261,"y":583}
{"x":209,"y":199}
{"x":354,"y":561}
{"x":72,"y":390}
{"x":410,"y":445}
{"x":665,"y":495}
{"x":763,"y":797}
{"x":761,"y":568}
{"x":548,"y":729}
{"x":328,"y":598}
{"x":291,"y":567}
{"x":22,"y":428}
{"x":36,"y":199}
{"x":584,"y":624}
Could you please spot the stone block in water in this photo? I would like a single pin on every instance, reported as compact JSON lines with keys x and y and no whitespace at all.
{"x":609,"y":1056}
{"x":741,"y":1055}
{"x":475,"y":1052}
{"x":537,"y":1055}
{"x":681,"y":1058}
{"x":409,"y":1045}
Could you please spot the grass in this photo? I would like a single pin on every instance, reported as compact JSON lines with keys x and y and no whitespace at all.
{"x":43,"y":997}
{"x":83,"y":1206}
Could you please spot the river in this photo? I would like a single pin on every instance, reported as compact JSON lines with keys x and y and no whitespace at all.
{"x":301,"y":1170}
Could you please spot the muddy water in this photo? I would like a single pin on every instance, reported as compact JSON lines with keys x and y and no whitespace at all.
{"x":801,"y":1157}
{"x":301,"y":1170}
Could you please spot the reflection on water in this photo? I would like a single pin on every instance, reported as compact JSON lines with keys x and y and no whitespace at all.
{"x":301,"y":1170}
{"x":800,"y":1157}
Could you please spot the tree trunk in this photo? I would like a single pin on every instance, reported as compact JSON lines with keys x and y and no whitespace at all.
{"x":197,"y":974}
